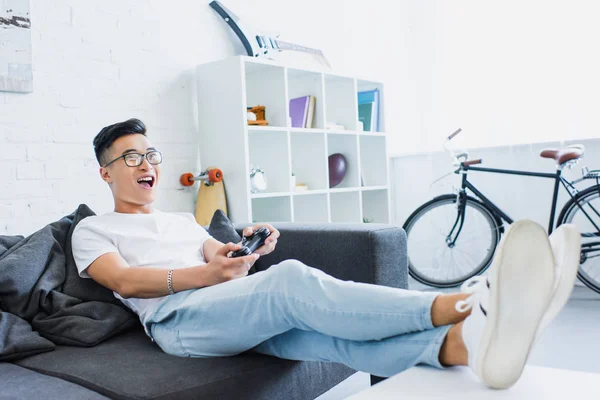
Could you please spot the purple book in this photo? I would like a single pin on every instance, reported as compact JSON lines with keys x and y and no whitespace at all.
{"x":299,"y":111}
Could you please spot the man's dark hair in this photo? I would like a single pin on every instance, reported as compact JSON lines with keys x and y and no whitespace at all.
{"x":106,"y":137}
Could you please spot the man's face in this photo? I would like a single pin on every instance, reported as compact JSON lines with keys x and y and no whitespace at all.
{"x":134,"y":186}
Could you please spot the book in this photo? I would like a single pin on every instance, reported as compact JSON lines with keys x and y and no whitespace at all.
{"x":365,"y":115}
{"x":311,"y":112}
{"x":368,"y":109}
{"x":299,"y":111}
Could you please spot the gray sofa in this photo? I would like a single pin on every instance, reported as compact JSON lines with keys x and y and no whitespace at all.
{"x":130,"y":366}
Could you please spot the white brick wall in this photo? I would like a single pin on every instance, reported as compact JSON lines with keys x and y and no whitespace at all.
{"x":98,"y":62}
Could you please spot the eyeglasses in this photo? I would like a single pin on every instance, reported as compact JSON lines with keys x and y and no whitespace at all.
{"x":135,"y":159}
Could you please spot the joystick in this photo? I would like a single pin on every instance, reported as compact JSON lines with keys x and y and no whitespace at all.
{"x":252,"y":242}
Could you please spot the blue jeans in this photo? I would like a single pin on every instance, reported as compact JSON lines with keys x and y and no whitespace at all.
{"x":296,"y":312}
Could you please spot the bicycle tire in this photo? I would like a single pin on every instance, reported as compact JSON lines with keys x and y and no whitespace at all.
{"x":495,"y":230}
{"x":567,"y":214}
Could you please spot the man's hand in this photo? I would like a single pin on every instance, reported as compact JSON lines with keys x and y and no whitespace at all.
{"x":222,"y":268}
{"x":270,"y":242}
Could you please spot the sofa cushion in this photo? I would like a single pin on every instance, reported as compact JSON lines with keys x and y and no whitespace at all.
{"x":130,"y":366}
{"x":222,"y":229}
{"x":20,"y":383}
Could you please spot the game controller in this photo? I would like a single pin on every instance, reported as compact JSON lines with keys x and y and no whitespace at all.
{"x":252,"y":242}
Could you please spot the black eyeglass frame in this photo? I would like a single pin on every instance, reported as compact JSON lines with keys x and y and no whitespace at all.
{"x":140,"y":159}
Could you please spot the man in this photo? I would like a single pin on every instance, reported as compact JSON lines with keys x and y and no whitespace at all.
{"x":195,"y":301}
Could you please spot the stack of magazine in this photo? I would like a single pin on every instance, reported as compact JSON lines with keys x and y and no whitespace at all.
{"x":368,"y":110}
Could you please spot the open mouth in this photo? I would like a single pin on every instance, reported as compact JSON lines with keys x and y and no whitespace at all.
{"x":147,"y":182}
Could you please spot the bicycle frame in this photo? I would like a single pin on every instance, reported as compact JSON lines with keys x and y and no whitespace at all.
{"x":558,"y":179}
{"x":464,"y":166}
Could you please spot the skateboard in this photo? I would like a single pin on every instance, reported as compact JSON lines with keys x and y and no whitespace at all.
{"x":211,"y":193}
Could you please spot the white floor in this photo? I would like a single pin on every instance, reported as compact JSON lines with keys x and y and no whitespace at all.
{"x":572,"y":342}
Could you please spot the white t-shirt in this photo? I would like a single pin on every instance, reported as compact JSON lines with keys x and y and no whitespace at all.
{"x":157,"y":240}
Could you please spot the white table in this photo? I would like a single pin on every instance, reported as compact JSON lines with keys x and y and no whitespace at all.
{"x":460,"y":383}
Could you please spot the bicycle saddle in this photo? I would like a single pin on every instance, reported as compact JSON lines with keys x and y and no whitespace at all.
{"x":565,"y":154}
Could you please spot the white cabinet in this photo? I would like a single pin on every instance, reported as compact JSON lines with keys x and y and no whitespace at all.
{"x":227,"y":87}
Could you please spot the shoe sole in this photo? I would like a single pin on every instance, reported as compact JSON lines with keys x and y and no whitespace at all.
{"x":568,"y":238}
{"x":521,"y":279}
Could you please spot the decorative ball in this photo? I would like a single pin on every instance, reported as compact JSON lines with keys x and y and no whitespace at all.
{"x":337,"y":169}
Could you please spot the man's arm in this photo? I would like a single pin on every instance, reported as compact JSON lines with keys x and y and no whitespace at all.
{"x":112,"y":271}
{"x":211,"y":246}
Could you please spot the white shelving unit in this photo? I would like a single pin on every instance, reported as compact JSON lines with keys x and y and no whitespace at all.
{"x":227,"y":87}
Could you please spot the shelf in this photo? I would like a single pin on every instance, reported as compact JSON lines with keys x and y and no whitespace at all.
{"x":226,"y":87}
{"x":310,"y":192}
{"x":369,"y":188}
{"x":341,"y":101}
{"x":314,"y":130}
{"x":375,"y":206}
{"x":306,"y":83}
{"x":360,"y":133}
{"x":372,"y":134}
{"x":264,"y":195}
{"x":347,"y":145}
{"x":345,"y":207}
{"x":309,"y":162}
{"x":306,"y":130}
{"x":311,"y":208}
{"x":265,"y":86}
{"x":269,"y":151}
{"x":341,"y":132}
{"x":271,"y":209}
{"x":373,"y":160}
{"x":344,"y":190}
{"x":267,"y":128}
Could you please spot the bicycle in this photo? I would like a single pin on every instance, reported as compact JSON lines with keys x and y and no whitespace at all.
{"x":463,"y":230}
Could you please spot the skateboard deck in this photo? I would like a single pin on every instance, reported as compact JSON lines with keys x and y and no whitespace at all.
{"x":211,"y":194}
{"x":210,"y":199}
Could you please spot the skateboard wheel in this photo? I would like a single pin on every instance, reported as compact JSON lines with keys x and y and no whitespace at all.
{"x":215,"y":175}
{"x":187,"y":179}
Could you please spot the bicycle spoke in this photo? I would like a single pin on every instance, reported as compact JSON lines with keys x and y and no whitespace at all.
{"x":430,"y":256}
{"x":468,"y":255}
{"x":584,"y":213}
{"x":470,"y":240}
{"x":469,"y":261}
{"x":441,"y":231}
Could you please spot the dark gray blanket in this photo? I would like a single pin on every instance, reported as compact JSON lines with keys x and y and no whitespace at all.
{"x":44,"y":302}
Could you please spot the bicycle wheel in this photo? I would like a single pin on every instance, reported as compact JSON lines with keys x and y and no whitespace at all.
{"x":589,"y":200}
{"x":432,"y":260}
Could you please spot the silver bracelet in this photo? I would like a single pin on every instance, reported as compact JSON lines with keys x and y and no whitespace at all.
{"x":170,"y":282}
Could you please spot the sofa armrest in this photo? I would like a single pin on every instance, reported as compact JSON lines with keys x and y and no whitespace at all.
{"x":369,"y":253}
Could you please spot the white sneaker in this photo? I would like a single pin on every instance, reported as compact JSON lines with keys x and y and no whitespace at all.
{"x":566,"y":247}
{"x":507,"y":307}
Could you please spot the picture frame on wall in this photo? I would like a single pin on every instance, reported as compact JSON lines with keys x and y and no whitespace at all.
{"x":16,"y":73}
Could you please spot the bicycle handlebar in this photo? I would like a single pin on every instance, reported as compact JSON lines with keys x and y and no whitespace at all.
{"x":455,"y":133}
{"x":472,"y":162}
